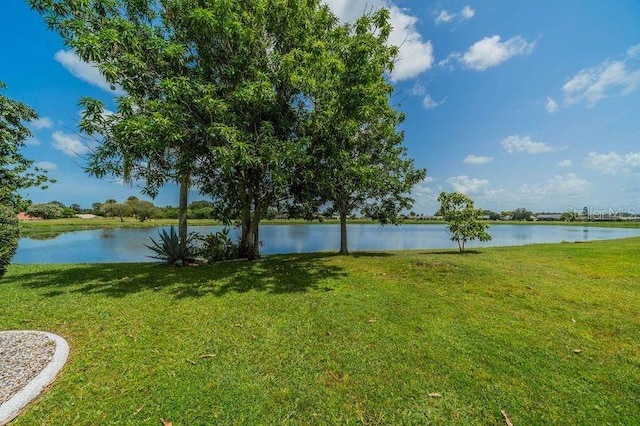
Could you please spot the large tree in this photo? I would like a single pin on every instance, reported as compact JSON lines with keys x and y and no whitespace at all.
{"x":169,"y":112}
{"x":211,"y":90}
{"x":16,"y":172}
{"x":357,"y":160}
{"x":265,"y":52}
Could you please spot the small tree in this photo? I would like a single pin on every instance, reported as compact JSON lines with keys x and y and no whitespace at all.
{"x":463,"y":220}
{"x":120,"y":210}
{"x":141,"y":209}
{"x":522,"y":214}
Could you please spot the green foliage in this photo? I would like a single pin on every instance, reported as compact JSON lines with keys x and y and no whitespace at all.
{"x":15,"y":170}
{"x":142,"y":210}
{"x":463,"y":220}
{"x":242,"y":99}
{"x":170,"y":212}
{"x":356,"y":158}
{"x":47,"y":211}
{"x":217,"y":246}
{"x":9,"y":235}
{"x":114,"y":209}
{"x":172,"y":249}
{"x":521,"y":214}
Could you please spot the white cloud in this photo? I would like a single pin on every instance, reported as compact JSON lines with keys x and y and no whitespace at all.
{"x":490,"y":52}
{"x":69,"y":144}
{"x":42,"y":123}
{"x":565,"y":163}
{"x":467,"y":13}
{"x":418,"y":89}
{"x":569,"y":185}
{"x":46,"y":165}
{"x":416,"y":55}
{"x":477,"y":159}
{"x":32,"y":141}
{"x":444,"y":17}
{"x":467,"y":185}
{"x":429,"y":103}
{"x":518,"y":143}
{"x":593,"y":84}
{"x":613,"y":163}
{"x":88,"y":72}
{"x":552,"y":105}
{"x":422,"y":188}
{"x":634,"y":51}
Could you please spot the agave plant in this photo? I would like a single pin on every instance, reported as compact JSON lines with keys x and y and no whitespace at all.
{"x":171,"y":249}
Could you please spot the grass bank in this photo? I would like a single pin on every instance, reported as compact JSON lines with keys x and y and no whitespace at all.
{"x":322,"y":339}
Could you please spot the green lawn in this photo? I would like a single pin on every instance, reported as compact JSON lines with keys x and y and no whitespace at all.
{"x":323,"y":339}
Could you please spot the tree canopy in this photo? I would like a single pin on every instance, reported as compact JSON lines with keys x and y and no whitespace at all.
{"x":16,"y":172}
{"x":357,"y":158}
{"x":240,"y":100}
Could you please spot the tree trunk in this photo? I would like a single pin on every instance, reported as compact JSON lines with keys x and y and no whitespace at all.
{"x":344,"y":248}
{"x":250,"y":239}
{"x":182,"y":215}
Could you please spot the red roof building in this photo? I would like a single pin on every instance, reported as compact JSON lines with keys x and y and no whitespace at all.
{"x":24,"y":216}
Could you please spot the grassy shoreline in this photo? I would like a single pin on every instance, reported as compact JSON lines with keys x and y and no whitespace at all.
{"x":57,"y":226}
{"x":317,"y":339}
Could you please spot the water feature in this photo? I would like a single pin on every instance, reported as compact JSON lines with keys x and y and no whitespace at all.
{"x":128,"y":244}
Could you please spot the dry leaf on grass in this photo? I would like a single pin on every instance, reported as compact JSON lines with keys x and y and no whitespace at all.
{"x":166,"y":422}
{"x":435,"y":395}
{"x":506,"y":418}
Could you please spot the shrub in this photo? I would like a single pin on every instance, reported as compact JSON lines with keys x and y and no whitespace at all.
{"x":173,"y":250}
{"x":9,"y":234}
{"x":46,"y":211}
{"x":218,"y":246}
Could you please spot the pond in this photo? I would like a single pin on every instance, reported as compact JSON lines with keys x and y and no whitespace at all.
{"x":128,"y":244}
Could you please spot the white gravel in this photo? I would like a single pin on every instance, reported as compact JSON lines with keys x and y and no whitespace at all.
{"x":29,"y":361}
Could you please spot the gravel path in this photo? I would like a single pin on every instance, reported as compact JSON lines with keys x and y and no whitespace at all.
{"x":22,"y":356}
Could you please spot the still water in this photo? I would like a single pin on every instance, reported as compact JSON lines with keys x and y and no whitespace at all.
{"x":128,"y":245}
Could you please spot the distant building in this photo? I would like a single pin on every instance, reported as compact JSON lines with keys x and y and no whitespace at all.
{"x":24,"y":216}
{"x":548,"y":217}
{"x":87,"y":216}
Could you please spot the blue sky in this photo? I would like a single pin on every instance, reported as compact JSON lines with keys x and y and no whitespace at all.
{"x":529,"y":104}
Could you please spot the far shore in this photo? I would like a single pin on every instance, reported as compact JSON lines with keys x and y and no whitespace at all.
{"x":39,"y":227}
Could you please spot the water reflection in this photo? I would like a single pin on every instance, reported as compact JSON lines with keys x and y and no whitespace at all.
{"x":128,"y":245}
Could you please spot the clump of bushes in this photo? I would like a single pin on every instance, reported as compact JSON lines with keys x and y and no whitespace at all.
{"x":217,"y":246}
{"x":9,"y":235}
{"x":210,"y":248}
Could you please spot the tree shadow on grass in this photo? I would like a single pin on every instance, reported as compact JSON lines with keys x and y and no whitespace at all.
{"x":452,"y":251}
{"x":276,"y":275}
{"x":368,"y":254}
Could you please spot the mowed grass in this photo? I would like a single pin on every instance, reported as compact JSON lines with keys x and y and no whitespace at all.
{"x":324,"y":339}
